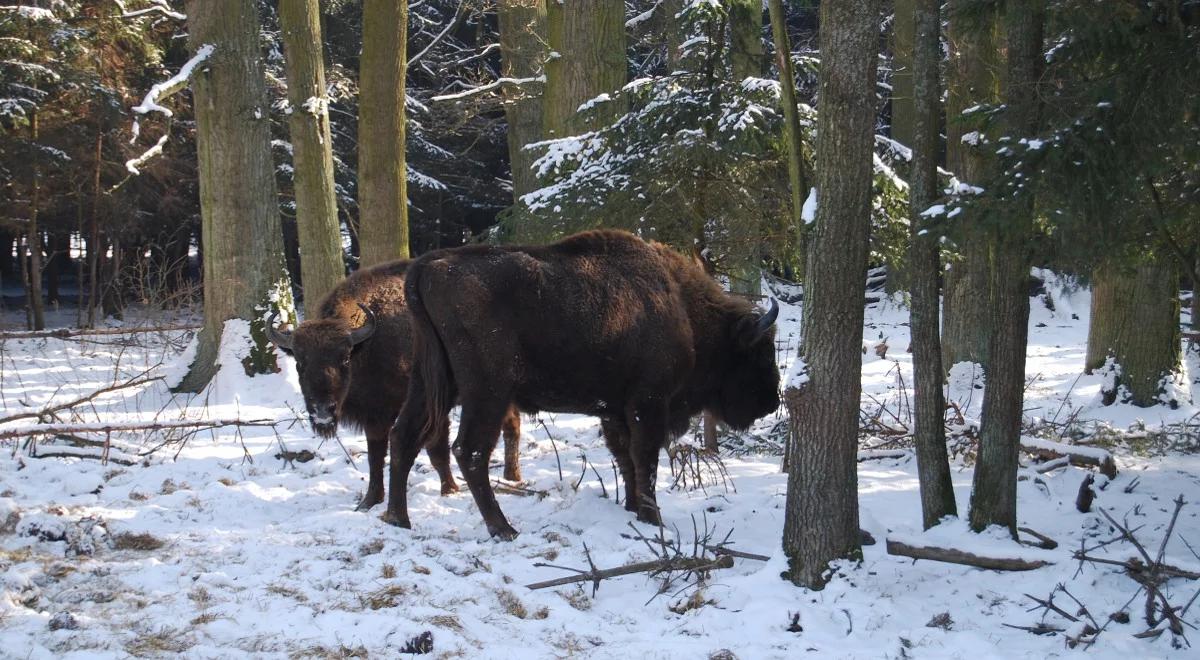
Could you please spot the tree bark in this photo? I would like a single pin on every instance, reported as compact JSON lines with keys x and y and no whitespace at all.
{"x":321,"y":265}
{"x":33,"y":232}
{"x":587,"y":58}
{"x":522,"y":55}
{"x":821,"y":522}
{"x":1134,"y":320}
{"x":244,"y":277}
{"x":903,"y":84}
{"x":929,"y":406}
{"x":798,"y":178}
{"x":973,"y":78}
{"x":994,"y":492}
{"x":382,"y":167}
{"x":746,"y":60}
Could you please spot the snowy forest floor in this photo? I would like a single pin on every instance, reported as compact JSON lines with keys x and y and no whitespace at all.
{"x":214,"y":546}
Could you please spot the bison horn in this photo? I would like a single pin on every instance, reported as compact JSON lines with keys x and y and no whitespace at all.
{"x":767,"y":320}
{"x":364,"y":331}
{"x":282,"y":339}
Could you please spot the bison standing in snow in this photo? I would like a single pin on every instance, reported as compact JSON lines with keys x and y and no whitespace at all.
{"x":601,"y":323}
{"x":354,"y":361}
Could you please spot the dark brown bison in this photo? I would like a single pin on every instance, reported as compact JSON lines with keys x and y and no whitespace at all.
{"x":601,"y":323}
{"x":353,"y":361}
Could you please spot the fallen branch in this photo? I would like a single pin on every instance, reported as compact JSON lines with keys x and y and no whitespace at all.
{"x":51,"y":412}
{"x":511,"y":489}
{"x":691,"y":564}
{"x":65,"y":333}
{"x":135,"y":427}
{"x":1044,"y":542}
{"x":955,"y":556}
{"x":715,"y":549}
{"x":1085,"y":456}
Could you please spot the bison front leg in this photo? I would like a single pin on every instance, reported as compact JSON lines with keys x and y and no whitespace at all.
{"x":405,"y":441}
{"x":648,"y":433}
{"x":377,"y":445}
{"x":473,"y":448}
{"x":616,"y":436}
{"x":510,"y":428}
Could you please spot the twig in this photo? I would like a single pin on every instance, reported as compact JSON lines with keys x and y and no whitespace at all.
{"x":66,"y":333}
{"x":51,"y":412}
{"x":690,"y":564}
{"x":196,"y":425}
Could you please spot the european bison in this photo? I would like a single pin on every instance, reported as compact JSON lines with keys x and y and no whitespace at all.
{"x":601,"y":323}
{"x":353,"y":361}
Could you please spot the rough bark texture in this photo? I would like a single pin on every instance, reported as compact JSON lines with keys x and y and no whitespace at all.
{"x":240,"y":229}
{"x":933,"y":466}
{"x":382,"y":173}
{"x":1196,"y":296}
{"x":1135,"y":314}
{"x":973,"y":78}
{"x":321,"y":266}
{"x":587,"y":58}
{"x":994,"y":492}
{"x":522,"y":54}
{"x":821,"y":522}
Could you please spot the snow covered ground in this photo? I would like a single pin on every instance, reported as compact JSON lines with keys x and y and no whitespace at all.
{"x":218,"y":547}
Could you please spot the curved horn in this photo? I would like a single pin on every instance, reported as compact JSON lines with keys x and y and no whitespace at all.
{"x":364,"y":331}
{"x":282,"y":339}
{"x":767,"y":320}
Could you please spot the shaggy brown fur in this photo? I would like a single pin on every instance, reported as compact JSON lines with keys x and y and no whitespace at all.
{"x":601,"y":323}
{"x":363,"y":386}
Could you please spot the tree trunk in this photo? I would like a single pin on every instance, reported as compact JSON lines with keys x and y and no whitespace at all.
{"x":587,"y":58}
{"x":924,"y":266}
{"x":821,"y":522}
{"x":972,"y":75}
{"x":1196,"y":296}
{"x":522,"y":54}
{"x":37,"y":307}
{"x":994,"y":492}
{"x":1135,"y":321}
{"x":903,"y":92}
{"x":382,"y":167}
{"x":746,"y":60}
{"x":244,"y":277}
{"x":321,"y":265}
{"x":798,"y":179}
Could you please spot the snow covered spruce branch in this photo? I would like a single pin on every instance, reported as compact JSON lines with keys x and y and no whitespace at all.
{"x":151,"y":103}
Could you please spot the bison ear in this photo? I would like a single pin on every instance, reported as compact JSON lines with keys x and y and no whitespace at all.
{"x":754,"y":326}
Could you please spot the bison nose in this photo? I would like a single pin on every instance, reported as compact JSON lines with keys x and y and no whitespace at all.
{"x":322,"y":414}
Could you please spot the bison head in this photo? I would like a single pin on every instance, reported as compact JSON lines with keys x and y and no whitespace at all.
{"x":750,"y":384}
{"x":323,"y":349}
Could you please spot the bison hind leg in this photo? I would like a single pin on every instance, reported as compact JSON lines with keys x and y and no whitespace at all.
{"x":481,"y":420}
{"x":439,"y":455}
{"x":511,"y":430}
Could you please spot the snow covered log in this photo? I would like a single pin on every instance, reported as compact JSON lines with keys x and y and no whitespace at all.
{"x":1089,"y":456}
{"x":956,"y":556}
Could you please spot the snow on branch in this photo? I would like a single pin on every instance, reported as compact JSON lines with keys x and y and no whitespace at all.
{"x":492,"y":86}
{"x":156,"y":6}
{"x":133,"y":164}
{"x":150,"y":103}
{"x":31,"y":13}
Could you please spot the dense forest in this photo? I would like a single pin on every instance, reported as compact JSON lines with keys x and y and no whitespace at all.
{"x":1003,"y":192}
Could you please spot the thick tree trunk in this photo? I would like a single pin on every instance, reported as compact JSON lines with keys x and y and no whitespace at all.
{"x":973,"y":78}
{"x":924,"y":266}
{"x":382,"y":167}
{"x":1135,"y":320}
{"x":522,"y":54}
{"x":587,"y":46}
{"x":321,"y":265}
{"x":994,"y":493}
{"x":821,"y":522}
{"x":244,"y":276}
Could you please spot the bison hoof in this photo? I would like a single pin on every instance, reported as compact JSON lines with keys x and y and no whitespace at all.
{"x":396,"y":519}
{"x":369,"y":500}
{"x":504,"y":532}
{"x":449,"y":487}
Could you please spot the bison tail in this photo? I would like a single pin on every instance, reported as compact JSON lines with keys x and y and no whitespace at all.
{"x":429,"y":354}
